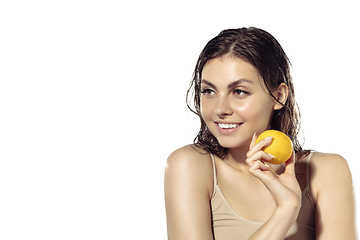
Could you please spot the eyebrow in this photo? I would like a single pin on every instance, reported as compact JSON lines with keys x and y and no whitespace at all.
{"x":231,"y":85}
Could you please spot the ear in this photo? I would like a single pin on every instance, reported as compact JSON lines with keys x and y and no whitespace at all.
{"x":281,"y":94}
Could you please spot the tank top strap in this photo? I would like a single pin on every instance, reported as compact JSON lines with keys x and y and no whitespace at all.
{"x":214,"y":169}
{"x":308,"y":168}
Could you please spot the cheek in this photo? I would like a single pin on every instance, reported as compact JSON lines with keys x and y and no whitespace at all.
{"x":255,"y":110}
{"x":206,"y":109}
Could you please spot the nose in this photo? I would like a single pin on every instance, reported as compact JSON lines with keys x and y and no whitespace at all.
{"x":223,"y":107}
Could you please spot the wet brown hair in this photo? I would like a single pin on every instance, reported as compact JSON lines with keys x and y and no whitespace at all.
{"x":263,"y":51}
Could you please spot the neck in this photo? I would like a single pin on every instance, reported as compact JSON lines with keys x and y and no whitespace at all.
{"x":236,"y":157}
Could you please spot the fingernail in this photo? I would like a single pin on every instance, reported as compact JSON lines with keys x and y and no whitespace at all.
{"x":254,"y":135}
{"x":268,"y":138}
{"x":270,"y":155}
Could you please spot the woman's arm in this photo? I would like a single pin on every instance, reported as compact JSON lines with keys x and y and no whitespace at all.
{"x":188,"y":189}
{"x":277,"y":226}
{"x":284,"y":188}
{"x":334,"y":196}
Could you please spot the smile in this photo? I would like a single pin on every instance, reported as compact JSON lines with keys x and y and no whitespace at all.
{"x":228,"y":126}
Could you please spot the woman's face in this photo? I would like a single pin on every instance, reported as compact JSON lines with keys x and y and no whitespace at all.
{"x":234,"y":104}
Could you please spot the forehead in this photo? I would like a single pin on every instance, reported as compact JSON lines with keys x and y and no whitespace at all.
{"x":224,"y":70}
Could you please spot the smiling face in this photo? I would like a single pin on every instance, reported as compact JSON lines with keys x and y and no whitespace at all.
{"x":234,"y":103}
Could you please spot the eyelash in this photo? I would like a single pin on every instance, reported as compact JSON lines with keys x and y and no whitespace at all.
{"x":208,"y":91}
{"x":241,"y":91}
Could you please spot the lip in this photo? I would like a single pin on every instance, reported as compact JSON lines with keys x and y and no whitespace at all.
{"x":228,"y":131}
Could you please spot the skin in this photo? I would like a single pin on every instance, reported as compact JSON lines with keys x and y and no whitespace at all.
{"x":189,"y":174}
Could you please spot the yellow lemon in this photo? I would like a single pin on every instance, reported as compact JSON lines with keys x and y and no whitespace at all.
{"x":281,"y":146}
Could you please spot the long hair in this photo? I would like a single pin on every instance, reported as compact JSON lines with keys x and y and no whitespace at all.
{"x":263,"y":51}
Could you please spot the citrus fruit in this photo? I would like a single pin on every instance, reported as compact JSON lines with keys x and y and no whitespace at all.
{"x":281,"y":146}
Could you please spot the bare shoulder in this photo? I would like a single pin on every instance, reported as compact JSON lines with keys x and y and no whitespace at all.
{"x":188,"y":190}
{"x":327,"y":164}
{"x":329,"y":171}
{"x":188,"y":152}
{"x":332,"y":190}
{"x":192,"y":163}
{"x":189,"y":158}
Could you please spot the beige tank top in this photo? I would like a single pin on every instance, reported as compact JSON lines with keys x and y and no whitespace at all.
{"x":228,"y":225}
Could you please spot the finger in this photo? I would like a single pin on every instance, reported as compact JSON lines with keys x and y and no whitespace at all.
{"x":253,"y":140}
{"x":271,"y":169}
{"x":258,"y":156}
{"x":263,"y":172}
{"x":258,"y":167}
{"x":260,"y":145}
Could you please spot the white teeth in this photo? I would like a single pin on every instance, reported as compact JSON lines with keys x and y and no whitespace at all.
{"x":223,"y":125}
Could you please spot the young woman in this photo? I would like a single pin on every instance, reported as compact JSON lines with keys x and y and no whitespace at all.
{"x":221,"y":186}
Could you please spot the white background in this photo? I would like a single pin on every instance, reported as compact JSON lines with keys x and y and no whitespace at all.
{"x":92,"y":101}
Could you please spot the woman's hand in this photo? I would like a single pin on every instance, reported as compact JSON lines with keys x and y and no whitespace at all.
{"x":284,"y":188}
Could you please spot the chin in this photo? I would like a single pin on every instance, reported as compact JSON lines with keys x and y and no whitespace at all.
{"x":229,"y":142}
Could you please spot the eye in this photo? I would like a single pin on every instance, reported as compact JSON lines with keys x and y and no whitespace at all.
{"x":207,"y":91}
{"x":239,"y":92}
